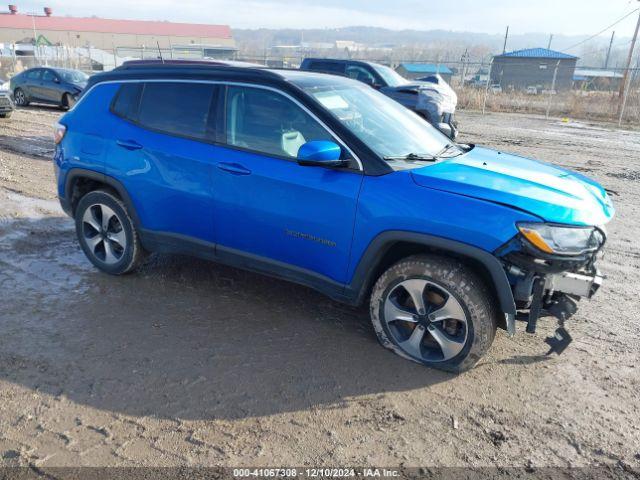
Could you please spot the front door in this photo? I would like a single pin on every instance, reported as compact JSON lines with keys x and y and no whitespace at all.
{"x":266,"y":204}
{"x":50,"y":90}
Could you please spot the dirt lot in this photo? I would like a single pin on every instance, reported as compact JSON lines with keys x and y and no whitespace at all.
{"x":190,"y":363}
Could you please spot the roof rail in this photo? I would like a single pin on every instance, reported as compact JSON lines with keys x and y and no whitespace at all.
{"x":184,"y":62}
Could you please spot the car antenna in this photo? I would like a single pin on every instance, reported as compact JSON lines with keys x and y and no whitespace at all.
{"x":159,"y":51}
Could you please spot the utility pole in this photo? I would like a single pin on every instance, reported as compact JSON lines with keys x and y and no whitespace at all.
{"x":622,"y":95}
{"x":553,"y":88}
{"x":606,"y":60}
{"x":506,"y":36}
{"x":550,"y":39}
{"x":486,"y":88}
{"x":465,"y":57}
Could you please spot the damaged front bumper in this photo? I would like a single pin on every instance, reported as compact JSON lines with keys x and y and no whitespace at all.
{"x":548,"y":285}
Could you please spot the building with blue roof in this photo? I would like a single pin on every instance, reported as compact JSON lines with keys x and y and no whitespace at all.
{"x":420,"y":70}
{"x":533,"y":67}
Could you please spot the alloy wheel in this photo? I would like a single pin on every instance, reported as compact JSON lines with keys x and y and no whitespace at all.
{"x":426,"y":321}
{"x":103,"y":233}
{"x":20,"y":98}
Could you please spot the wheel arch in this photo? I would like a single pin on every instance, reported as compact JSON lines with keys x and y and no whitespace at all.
{"x":391,"y":246}
{"x":80,"y":182}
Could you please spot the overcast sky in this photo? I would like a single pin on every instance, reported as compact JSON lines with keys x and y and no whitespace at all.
{"x":491,"y":16}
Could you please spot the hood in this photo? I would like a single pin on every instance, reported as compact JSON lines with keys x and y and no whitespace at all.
{"x":440,"y":93}
{"x":554,"y":194}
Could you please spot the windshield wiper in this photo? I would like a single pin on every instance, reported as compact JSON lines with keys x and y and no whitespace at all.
{"x":425,"y":157}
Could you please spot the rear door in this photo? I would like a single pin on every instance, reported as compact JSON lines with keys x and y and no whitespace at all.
{"x":31,"y":85}
{"x":162,"y":154}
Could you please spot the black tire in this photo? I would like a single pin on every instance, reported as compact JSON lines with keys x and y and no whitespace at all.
{"x":6,"y":115}
{"x":448,"y":276}
{"x":123,"y":260}
{"x":20,"y":98}
{"x":67,"y":101}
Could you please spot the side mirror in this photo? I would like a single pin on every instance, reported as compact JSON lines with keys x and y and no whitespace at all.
{"x":56,"y":80}
{"x":320,"y":153}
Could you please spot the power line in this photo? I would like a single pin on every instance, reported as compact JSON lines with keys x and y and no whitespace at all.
{"x":615,"y":46}
{"x":604,"y":30}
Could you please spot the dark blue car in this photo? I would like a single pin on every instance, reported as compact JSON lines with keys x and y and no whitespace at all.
{"x":323,"y":181}
{"x":53,"y":86}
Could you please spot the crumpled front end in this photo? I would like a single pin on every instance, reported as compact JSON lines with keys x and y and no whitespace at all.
{"x":438,"y":104}
{"x":549,"y":278}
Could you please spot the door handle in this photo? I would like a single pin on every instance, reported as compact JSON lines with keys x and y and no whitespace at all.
{"x":234,"y":168}
{"x":129,"y":144}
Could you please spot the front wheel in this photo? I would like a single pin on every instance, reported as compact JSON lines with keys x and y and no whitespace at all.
{"x":435,"y":311}
{"x":107,"y":234}
{"x":68,"y":101}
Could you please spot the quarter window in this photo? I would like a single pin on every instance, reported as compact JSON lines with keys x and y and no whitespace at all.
{"x":267,"y":122}
{"x":178,"y":108}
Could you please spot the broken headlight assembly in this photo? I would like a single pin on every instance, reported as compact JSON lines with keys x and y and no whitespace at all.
{"x":562,"y":239}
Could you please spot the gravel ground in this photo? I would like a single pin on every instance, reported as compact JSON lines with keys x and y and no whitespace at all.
{"x":190,"y":363}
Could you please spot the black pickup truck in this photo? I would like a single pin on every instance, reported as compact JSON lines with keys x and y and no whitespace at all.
{"x":434,"y":100}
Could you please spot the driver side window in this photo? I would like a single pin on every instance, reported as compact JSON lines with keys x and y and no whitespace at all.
{"x":48,"y":76}
{"x":267,"y":122}
{"x":361,"y":74}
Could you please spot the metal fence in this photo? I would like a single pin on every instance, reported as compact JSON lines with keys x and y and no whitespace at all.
{"x":597,"y":100}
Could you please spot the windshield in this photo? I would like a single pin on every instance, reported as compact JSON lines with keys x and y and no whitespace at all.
{"x":73,"y":76}
{"x":391,"y":77}
{"x":387,"y":127}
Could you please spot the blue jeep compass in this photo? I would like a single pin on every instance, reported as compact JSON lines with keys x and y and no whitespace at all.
{"x":326,"y":182}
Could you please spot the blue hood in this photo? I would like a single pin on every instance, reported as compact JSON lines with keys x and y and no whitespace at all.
{"x":554,"y":194}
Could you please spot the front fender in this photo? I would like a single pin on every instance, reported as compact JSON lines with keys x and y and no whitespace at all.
{"x":380,"y":245}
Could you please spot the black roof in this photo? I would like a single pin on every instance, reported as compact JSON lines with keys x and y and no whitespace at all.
{"x":203,"y":70}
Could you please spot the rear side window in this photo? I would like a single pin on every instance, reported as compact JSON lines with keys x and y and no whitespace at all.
{"x":330,"y":67}
{"x":33,"y":74}
{"x":179,"y":108}
{"x":126,"y":101}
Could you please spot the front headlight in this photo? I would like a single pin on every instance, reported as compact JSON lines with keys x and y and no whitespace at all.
{"x":562,"y":240}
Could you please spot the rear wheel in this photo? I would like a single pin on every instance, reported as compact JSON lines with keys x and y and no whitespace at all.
{"x":107,"y":234}
{"x":5,"y":114}
{"x":20,"y":98}
{"x":434,"y":311}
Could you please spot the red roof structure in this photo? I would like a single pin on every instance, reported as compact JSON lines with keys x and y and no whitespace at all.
{"x":105,"y":25}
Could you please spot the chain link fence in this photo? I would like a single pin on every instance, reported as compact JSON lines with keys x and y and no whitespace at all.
{"x":595,"y":97}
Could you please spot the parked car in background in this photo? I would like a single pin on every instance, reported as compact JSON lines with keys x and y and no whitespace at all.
{"x":324,"y":181}
{"x":433,"y":100}
{"x":53,"y":86}
{"x":6,"y":104}
{"x":496,"y":88}
{"x":532,"y":90}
